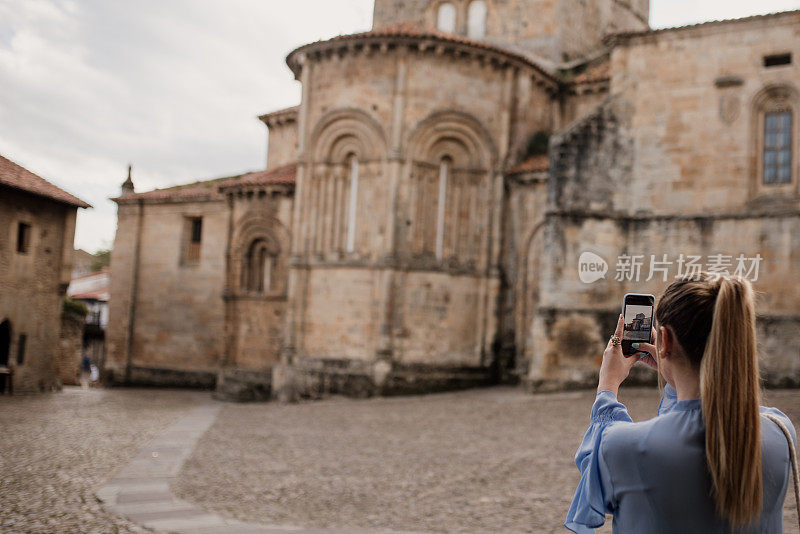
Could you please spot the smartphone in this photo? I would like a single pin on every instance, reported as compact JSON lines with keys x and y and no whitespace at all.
{"x":637,"y":314}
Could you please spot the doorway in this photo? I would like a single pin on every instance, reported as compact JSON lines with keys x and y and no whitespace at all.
{"x":5,"y":342}
{"x":5,"y":348}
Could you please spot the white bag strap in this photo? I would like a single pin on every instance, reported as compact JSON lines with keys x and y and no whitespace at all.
{"x":792,"y":457}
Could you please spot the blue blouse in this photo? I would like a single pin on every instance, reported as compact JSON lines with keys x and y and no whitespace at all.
{"x":652,"y":477}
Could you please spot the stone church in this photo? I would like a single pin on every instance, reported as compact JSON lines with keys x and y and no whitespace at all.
{"x":423,"y":211}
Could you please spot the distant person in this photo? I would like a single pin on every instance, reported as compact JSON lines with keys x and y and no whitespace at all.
{"x":709,"y":462}
{"x":85,"y":369}
{"x":94,"y":374}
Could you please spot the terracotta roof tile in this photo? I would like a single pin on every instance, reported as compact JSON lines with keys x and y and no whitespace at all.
{"x":408,"y":31}
{"x":210,"y":189}
{"x":622,"y":36}
{"x":18,"y":177}
{"x":595,"y":73}
{"x":202,"y":190}
{"x":284,"y":175}
{"x":103,"y":270}
{"x":536,"y":163}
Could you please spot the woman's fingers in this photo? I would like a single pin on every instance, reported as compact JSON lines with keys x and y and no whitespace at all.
{"x":617,"y":332}
{"x":645,"y":347}
{"x":649,"y":361}
{"x":646,"y":354}
{"x":620,"y":326}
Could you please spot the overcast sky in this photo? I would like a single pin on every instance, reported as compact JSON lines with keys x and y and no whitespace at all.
{"x":174,"y":86}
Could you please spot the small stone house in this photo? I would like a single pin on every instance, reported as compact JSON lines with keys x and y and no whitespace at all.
{"x":37,"y":230}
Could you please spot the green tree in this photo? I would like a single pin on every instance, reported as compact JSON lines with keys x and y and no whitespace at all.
{"x":74,"y":307}
{"x":102,"y":258}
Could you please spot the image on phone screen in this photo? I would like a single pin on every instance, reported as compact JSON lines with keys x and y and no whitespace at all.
{"x":638,"y":322}
{"x":637,"y":315}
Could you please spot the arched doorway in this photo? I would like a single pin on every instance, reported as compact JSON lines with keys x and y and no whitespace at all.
{"x":528,"y":295}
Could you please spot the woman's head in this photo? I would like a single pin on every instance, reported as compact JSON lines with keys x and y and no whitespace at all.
{"x":711,"y":324}
{"x":687,"y":309}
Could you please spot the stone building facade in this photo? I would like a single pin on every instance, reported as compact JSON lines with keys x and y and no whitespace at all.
{"x":423,"y":210}
{"x":37,"y":228}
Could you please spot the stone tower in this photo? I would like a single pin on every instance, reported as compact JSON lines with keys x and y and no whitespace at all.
{"x":556,"y":31}
{"x":403,"y":135}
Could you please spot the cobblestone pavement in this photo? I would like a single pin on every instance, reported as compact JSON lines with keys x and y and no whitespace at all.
{"x":495,"y":460}
{"x":55,"y":449}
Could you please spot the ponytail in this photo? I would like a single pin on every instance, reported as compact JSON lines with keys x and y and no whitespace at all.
{"x":714,"y":321}
{"x":729,"y":385}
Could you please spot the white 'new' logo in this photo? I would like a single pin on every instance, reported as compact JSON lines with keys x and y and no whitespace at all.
{"x":591,"y":267}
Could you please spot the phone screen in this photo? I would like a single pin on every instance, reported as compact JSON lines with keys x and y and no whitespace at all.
{"x":637,"y":313}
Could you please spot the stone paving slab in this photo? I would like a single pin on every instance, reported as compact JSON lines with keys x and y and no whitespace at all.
{"x":58,"y":448}
{"x":140,"y":491}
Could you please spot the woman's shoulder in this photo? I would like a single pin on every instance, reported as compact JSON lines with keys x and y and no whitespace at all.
{"x":620,"y":441}
{"x":624,"y":436}
{"x":776,"y":416}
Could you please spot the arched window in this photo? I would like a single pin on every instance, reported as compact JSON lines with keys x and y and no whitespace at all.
{"x":352,"y":204}
{"x":476,"y":20}
{"x":446,"y":19}
{"x":260,"y":267}
{"x":444,"y":171}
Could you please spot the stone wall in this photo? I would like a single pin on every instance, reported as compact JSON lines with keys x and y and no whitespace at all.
{"x":441,"y":319}
{"x":395,"y":299}
{"x":660,"y":158}
{"x":523,"y":222}
{"x":579,"y":101}
{"x":122,"y":289}
{"x":256,"y":317}
{"x":696,"y":123}
{"x":178,"y":321}
{"x":33,"y":284}
{"x":70,"y":348}
{"x":642,"y":176}
{"x":282,"y":143}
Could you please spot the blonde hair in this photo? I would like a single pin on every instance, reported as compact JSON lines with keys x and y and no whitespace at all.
{"x":714,"y":321}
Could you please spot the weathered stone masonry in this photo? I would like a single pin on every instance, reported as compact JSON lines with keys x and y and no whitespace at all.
{"x":35,"y":266}
{"x":414,"y":231}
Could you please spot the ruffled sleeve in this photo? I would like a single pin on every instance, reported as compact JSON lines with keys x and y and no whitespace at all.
{"x":668,"y":400}
{"x":594,"y":497}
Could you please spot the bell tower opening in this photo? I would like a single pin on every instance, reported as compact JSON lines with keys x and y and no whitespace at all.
{"x":554,"y":32}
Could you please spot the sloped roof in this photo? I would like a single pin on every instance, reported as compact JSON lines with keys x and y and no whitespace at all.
{"x":91,"y":286}
{"x":595,"y":73}
{"x":204,"y":189}
{"x":412,"y":32}
{"x":284,"y":175}
{"x":536,"y":163}
{"x":18,"y":177}
{"x":97,"y":294}
{"x":623,"y":36}
{"x":210,"y":189}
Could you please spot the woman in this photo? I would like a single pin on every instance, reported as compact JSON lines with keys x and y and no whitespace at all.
{"x":708,"y":463}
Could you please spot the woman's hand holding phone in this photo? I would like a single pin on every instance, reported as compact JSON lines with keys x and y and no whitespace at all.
{"x":646,"y":351}
{"x":615,"y":367}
